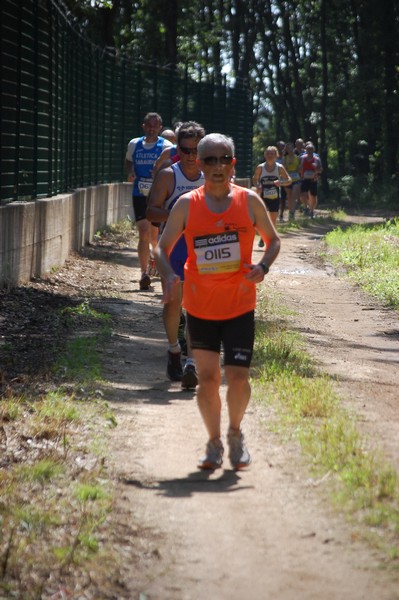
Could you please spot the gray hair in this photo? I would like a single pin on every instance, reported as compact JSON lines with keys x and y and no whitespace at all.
{"x":216,"y":138}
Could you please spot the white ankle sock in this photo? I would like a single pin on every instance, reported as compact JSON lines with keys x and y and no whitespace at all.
{"x":174,"y":348}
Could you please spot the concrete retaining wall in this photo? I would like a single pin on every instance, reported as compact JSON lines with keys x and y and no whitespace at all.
{"x":38,"y":236}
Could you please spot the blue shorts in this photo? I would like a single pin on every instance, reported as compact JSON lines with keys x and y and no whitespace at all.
{"x":294,"y":184}
{"x":178,"y":257}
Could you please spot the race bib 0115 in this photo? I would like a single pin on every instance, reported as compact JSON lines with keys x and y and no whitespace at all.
{"x":218,"y":253}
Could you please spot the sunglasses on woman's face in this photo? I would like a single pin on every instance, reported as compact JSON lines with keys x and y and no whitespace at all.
{"x":186,"y":150}
{"x":214,"y":160}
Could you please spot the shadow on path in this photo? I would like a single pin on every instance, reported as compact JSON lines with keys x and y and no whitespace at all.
{"x":198,"y":481}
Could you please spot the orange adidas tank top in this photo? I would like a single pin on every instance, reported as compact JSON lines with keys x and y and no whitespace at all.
{"x":218,"y":244}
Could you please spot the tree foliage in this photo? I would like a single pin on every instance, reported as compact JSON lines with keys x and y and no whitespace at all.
{"x":325,"y":70}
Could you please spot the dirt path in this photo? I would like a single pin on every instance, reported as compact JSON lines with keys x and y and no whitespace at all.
{"x":267,"y":533}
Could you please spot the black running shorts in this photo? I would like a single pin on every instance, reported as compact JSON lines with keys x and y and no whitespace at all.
{"x":236,"y":335}
{"x":272,"y":205}
{"x":139,"y":207}
{"x":309,"y":185}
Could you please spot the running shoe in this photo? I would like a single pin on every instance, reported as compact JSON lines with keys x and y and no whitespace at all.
{"x":238,"y":452}
{"x":174,"y":369}
{"x":214,"y":455}
{"x":145,"y":282}
{"x":190,"y":377}
{"x":261,"y":243}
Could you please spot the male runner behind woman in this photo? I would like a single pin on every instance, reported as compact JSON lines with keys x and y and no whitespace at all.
{"x":169,"y":184}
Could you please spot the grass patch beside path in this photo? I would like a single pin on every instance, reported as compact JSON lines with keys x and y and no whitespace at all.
{"x":360,"y":481}
{"x":370,"y":256}
{"x":58,"y":536}
{"x":55,"y":495}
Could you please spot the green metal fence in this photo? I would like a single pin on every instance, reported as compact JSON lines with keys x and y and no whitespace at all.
{"x":69,"y":108}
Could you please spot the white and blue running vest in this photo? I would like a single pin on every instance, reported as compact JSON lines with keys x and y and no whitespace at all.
{"x":143,"y":160}
{"x":182,"y":185}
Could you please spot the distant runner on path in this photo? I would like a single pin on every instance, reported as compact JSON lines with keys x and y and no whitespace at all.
{"x":141,"y":154}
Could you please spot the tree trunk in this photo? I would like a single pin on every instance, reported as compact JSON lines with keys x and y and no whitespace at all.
{"x":169,"y":17}
{"x":324,"y":96}
{"x":391,"y":112}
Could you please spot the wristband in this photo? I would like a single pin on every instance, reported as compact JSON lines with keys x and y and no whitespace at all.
{"x":264,"y":267}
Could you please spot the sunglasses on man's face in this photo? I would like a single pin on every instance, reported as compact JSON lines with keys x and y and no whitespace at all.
{"x":214,"y":160}
{"x":186,"y":150}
